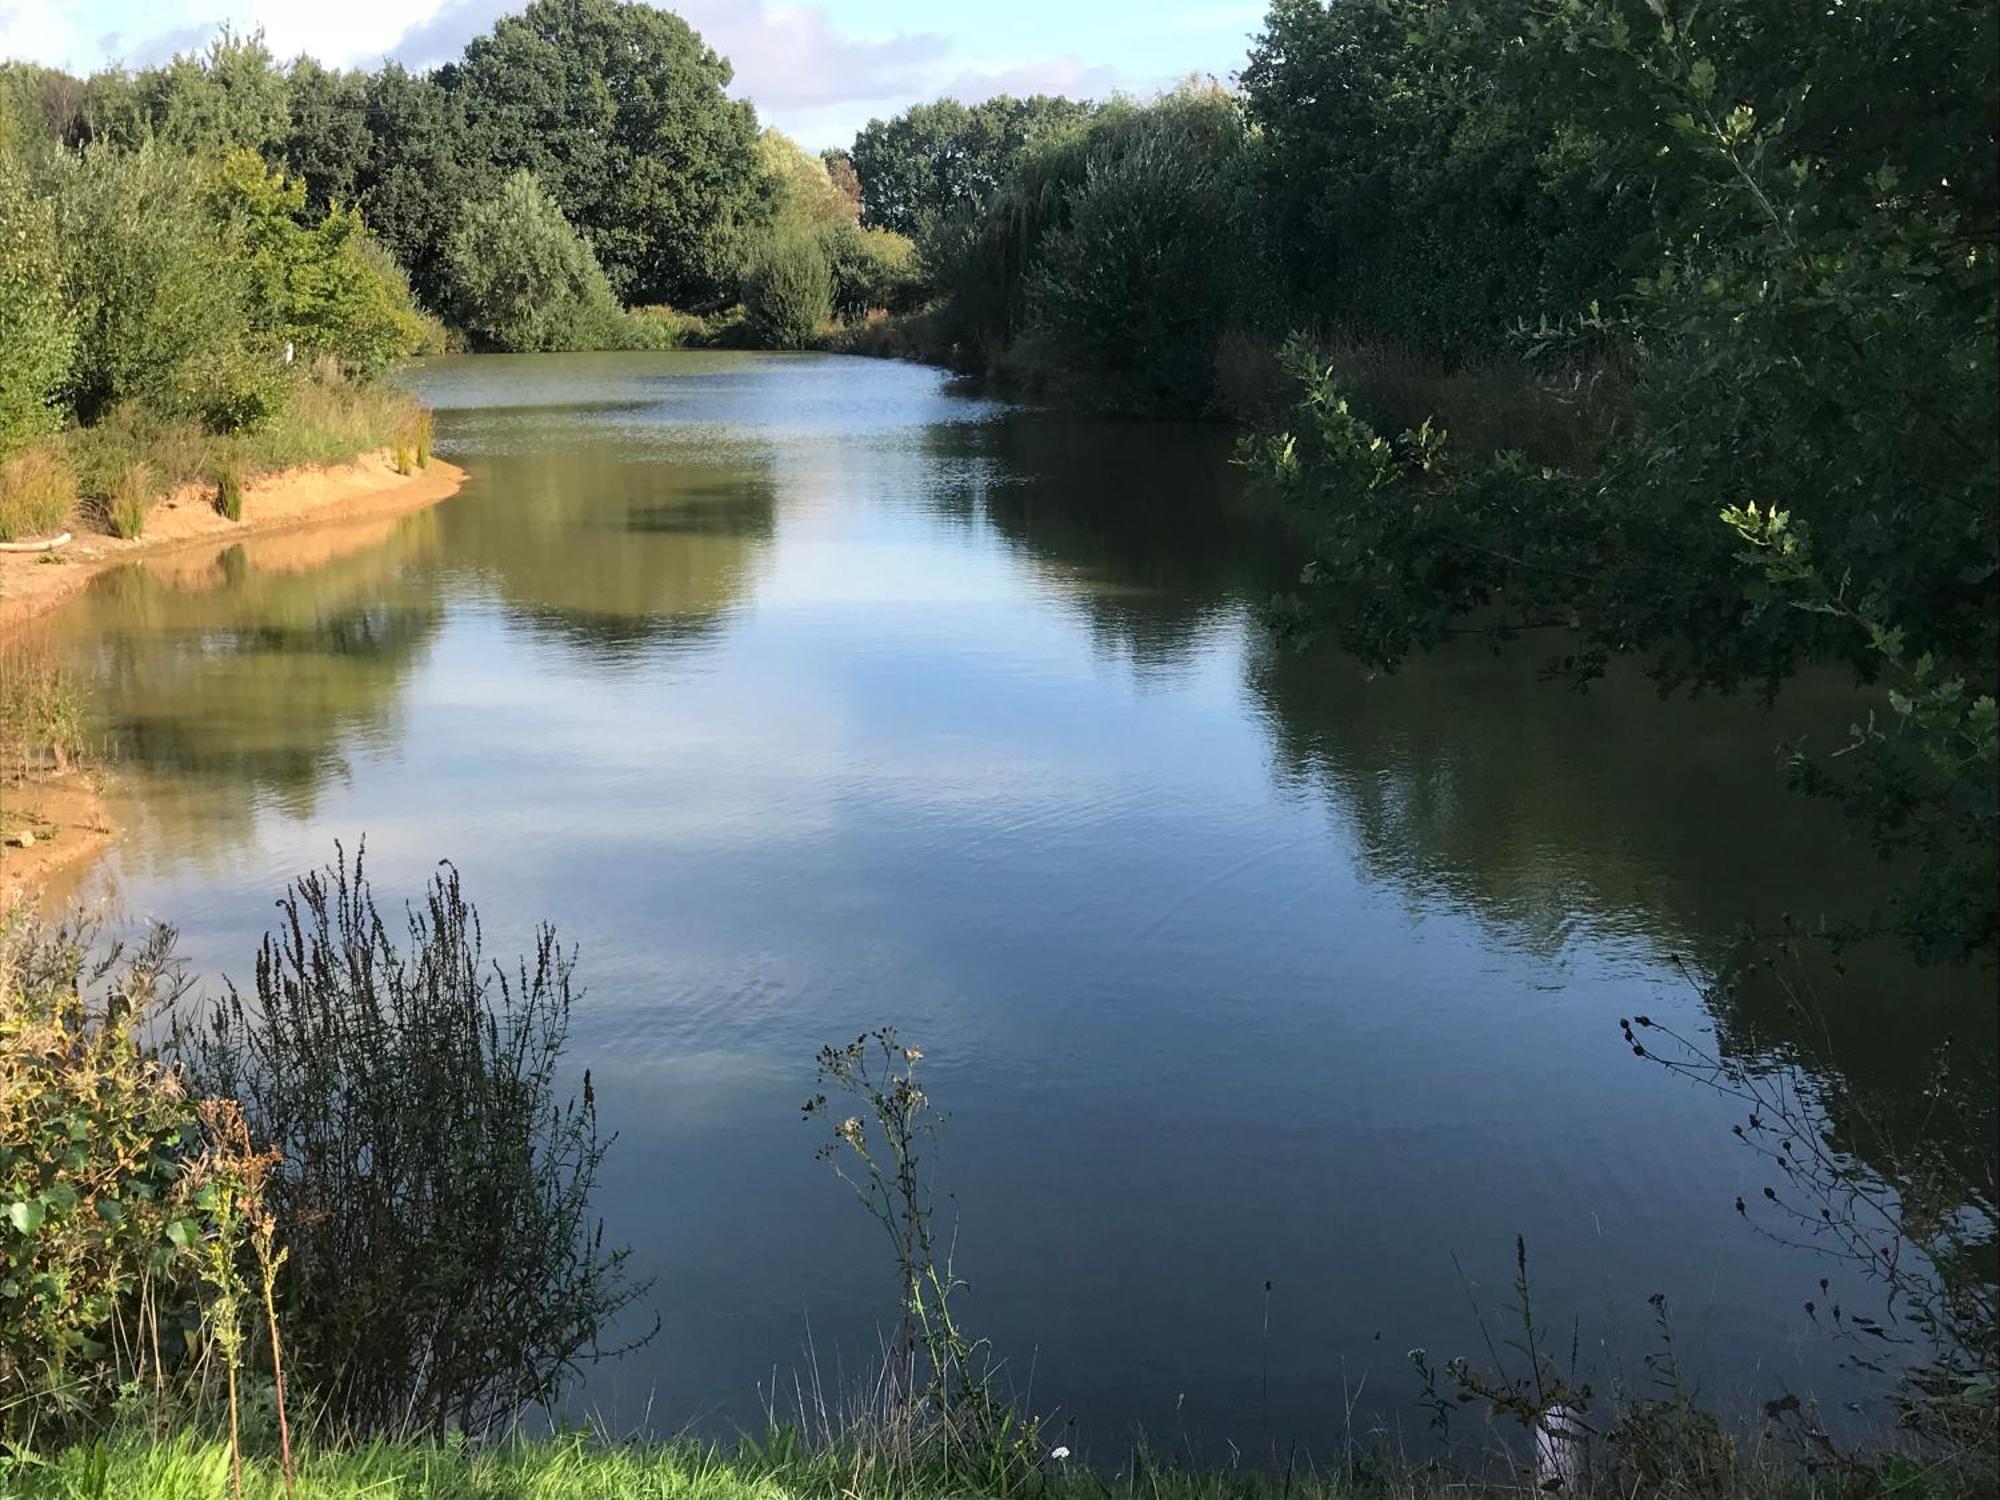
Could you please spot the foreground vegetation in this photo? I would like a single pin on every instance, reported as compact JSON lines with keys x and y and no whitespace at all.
{"x":779,"y":1466}
{"x":337,"y":1239}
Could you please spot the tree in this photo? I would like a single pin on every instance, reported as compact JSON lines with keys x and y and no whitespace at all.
{"x":1436,"y":171}
{"x":1127,"y":295}
{"x":161,"y":309}
{"x":1809,"y":474}
{"x":931,"y":160}
{"x":800,"y":186}
{"x":233,"y":94}
{"x":314,"y":286}
{"x":37,"y":328}
{"x":328,"y":144}
{"x":423,"y":166}
{"x":618,"y":108}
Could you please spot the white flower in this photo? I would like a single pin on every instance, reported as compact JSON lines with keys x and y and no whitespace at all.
{"x":1058,"y":1453}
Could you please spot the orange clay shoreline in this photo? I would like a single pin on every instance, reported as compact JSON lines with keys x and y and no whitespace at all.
{"x":51,"y":825}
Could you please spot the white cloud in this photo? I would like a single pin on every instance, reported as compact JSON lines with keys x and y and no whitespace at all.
{"x":38,"y":30}
{"x":807,"y":72}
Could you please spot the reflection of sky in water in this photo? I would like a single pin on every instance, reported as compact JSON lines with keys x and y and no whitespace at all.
{"x":807,"y":695}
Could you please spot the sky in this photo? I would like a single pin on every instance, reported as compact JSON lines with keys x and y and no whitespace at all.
{"x":817,"y":71}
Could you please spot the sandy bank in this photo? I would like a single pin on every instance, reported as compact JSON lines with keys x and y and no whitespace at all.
{"x":52,"y":825}
{"x":31,"y":584}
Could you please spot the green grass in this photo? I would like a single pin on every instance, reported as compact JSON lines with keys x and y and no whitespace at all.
{"x":186,"y":1467}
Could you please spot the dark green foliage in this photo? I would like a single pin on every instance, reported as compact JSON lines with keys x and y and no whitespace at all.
{"x":933,"y":160}
{"x":434,"y":1191}
{"x":421,"y":169}
{"x":1809,"y":473}
{"x":328,"y":145}
{"x":788,"y":290}
{"x":1111,"y":260}
{"x":619,"y":109}
{"x":1435,"y":171}
{"x":1127,"y":296}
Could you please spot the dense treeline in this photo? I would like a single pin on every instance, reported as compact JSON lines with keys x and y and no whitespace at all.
{"x":581,"y":159}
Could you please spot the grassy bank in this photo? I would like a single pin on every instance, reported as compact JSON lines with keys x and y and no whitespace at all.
{"x":185,"y":1467}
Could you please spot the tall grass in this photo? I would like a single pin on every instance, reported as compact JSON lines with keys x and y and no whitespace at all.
{"x":129,"y":499}
{"x":325,"y":422}
{"x":38,"y":491}
{"x":41,"y":714}
{"x":1558,"y":416}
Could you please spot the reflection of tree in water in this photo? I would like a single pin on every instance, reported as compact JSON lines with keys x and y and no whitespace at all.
{"x":1542,"y":811}
{"x":1141,"y":526}
{"x":1468,"y":780}
{"x":250,"y":673}
{"x":611,"y":548}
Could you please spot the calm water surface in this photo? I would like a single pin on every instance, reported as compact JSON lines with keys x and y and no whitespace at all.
{"x":806,"y":694}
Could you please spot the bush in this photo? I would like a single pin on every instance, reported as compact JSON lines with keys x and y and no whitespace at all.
{"x":669,"y":328}
{"x":788,"y":291}
{"x":131,"y":497}
{"x":41,"y":714}
{"x":1129,"y":295}
{"x":233,"y":389}
{"x":523,"y":280}
{"x":872,"y":268}
{"x":93,"y":1137}
{"x":434,"y":1189}
{"x":37,"y":492}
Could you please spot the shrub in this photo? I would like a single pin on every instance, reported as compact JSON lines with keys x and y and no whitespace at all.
{"x":37,"y":492}
{"x":93,"y":1136}
{"x":234,"y":389}
{"x":788,"y":291}
{"x":131,"y":497}
{"x":523,"y":280}
{"x":1130,"y":294}
{"x":434,"y":1190}
{"x":872,"y":268}
{"x":670,"y":328}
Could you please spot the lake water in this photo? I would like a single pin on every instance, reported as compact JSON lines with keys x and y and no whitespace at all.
{"x":808,"y":694}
